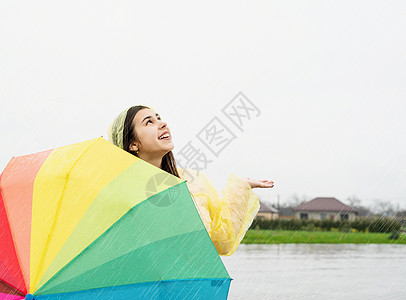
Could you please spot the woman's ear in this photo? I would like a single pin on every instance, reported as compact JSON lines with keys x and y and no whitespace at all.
{"x":133,"y":147}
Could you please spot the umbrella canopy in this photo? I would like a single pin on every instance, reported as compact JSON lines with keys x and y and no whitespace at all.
{"x":91,"y":220}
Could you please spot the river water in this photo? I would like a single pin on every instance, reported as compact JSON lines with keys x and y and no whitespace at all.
{"x":317,"y":271}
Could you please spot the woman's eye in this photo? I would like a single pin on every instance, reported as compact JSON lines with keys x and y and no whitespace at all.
{"x":151,"y":121}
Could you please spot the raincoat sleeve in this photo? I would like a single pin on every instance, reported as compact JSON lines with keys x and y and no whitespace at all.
{"x":226,"y":218}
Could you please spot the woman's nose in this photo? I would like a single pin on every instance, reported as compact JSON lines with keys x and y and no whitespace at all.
{"x":163,"y":124}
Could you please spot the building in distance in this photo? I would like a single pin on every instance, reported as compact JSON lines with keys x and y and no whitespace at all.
{"x":325,"y":208}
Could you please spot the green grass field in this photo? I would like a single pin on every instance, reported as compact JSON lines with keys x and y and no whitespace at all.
{"x":330,"y":237}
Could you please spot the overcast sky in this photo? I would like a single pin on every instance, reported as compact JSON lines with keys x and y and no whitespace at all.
{"x":328,"y":79}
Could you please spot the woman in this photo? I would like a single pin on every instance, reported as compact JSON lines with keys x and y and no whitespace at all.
{"x":140,"y":131}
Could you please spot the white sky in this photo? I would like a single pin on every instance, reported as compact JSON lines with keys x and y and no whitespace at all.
{"x":329,"y":79}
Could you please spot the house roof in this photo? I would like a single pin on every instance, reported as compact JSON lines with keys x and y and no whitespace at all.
{"x":324,"y":204}
{"x":266,"y":208}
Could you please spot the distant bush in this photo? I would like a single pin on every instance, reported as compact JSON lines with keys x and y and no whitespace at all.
{"x":379,"y":224}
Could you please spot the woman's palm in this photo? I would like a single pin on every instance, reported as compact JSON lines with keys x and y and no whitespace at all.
{"x":260,"y":183}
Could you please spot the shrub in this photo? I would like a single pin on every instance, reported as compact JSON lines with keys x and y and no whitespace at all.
{"x":380,"y":224}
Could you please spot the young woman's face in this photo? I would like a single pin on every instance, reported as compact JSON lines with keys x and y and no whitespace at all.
{"x":149,"y":129}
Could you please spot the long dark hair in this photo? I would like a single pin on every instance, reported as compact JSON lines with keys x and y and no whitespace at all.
{"x":129,"y":135}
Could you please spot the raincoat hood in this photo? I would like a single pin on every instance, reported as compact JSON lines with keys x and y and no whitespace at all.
{"x":116,"y":129}
{"x":115,"y":132}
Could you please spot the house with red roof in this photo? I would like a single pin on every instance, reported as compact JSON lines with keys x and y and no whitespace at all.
{"x":323,"y":208}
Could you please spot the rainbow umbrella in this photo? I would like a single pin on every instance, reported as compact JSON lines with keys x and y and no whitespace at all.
{"x":90,"y":220}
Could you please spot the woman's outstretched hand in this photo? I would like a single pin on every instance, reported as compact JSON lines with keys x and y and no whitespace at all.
{"x":259,"y":183}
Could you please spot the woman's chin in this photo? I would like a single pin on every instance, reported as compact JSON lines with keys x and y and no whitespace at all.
{"x":169,"y":148}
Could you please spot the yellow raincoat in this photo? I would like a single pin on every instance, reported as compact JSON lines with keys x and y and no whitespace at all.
{"x":226,"y":219}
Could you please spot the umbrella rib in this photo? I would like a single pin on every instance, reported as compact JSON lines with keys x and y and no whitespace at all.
{"x":57,"y":211}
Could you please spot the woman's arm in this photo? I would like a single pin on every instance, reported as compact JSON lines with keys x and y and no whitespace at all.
{"x":227,"y":218}
{"x":235,"y":213}
{"x":230,"y":216}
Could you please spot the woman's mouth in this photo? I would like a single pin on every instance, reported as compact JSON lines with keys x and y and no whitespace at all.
{"x":165,"y":136}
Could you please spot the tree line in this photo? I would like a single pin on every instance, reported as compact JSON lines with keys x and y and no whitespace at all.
{"x":375,"y":224}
